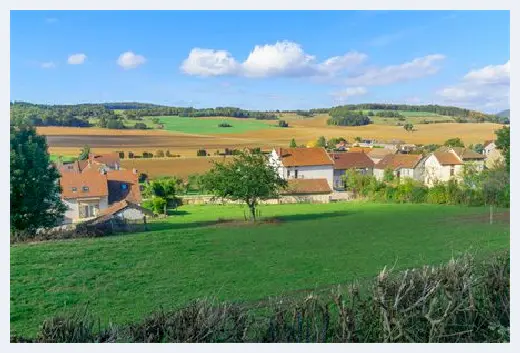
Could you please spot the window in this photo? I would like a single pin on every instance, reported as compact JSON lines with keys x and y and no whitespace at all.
{"x":296,"y":173}
{"x":74,"y":189}
{"x":89,"y":211}
{"x":288,"y":173}
{"x":124,"y":186}
{"x":452,"y":171}
{"x":85,"y":189}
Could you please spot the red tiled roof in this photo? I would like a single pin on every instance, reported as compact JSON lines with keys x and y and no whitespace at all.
{"x":447,"y":158}
{"x":109,"y":159}
{"x":396,"y":161}
{"x":307,"y":186}
{"x":351,"y":160}
{"x":380,"y":152}
{"x":296,"y":157}
{"x":123,"y":185}
{"x":78,"y":185}
{"x":466,"y":153}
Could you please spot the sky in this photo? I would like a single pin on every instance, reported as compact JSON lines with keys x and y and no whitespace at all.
{"x":262,"y":60}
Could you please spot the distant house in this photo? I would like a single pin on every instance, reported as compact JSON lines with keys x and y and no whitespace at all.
{"x":341,"y":146}
{"x":448,"y":163}
{"x":377,"y":154}
{"x":110,"y":161}
{"x":344,"y":161}
{"x":492,"y":154}
{"x":303,"y":163}
{"x":93,"y":190}
{"x":402,"y":166}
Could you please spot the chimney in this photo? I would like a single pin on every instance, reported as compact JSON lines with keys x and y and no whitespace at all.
{"x":279,"y":152}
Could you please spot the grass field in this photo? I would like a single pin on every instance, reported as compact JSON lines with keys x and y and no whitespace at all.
{"x":179,"y":167}
{"x":123,"y":278}
{"x":210,"y":125}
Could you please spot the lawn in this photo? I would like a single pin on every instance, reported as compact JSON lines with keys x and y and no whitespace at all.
{"x":123,"y":278}
{"x":210,"y":125}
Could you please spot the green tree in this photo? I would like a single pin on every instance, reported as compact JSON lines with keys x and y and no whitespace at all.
{"x":388,"y":175}
{"x":35,"y":191}
{"x":247,"y":178}
{"x":358,"y":139}
{"x":164,"y":188}
{"x":321,"y":142}
{"x":85,"y":151}
{"x":408,"y":127}
{"x":454,"y":142}
{"x":479,"y":148}
{"x":502,"y":143}
{"x":293,"y":143}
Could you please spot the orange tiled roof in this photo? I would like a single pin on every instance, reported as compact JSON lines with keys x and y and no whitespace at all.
{"x":296,"y":157}
{"x":123,"y":185}
{"x":396,"y":161}
{"x":78,"y":185}
{"x":351,"y":160}
{"x":447,"y":158}
{"x":358,"y":149}
{"x":307,"y":186}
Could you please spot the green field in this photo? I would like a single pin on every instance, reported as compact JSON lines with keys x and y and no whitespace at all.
{"x":210,"y":125}
{"x":65,"y":159}
{"x":123,"y":278}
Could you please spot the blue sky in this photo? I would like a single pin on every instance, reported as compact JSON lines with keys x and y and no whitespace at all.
{"x":262,"y":59}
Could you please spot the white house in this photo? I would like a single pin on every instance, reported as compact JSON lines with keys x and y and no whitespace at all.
{"x":303,"y":163}
{"x":402,"y":166}
{"x":357,"y":161}
{"x":448,"y":163}
{"x":492,"y":154}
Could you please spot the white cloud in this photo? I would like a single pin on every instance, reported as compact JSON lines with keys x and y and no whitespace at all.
{"x":343,"y":95}
{"x":209,"y":62}
{"x":129,"y":60}
{"x":76,"y":59}
{"x":485,"y":89}
{"x":417,"y":68}
{"x":48,"y":65}
{"x":287,"y":59}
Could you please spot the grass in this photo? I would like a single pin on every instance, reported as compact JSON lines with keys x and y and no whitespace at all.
{"x":126,"y":277}
{"x":65,"y":159}
{"x":210,"y":125}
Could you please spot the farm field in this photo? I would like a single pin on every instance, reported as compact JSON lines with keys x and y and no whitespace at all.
{"x":123,"y":278}
{"x":210,"y":125}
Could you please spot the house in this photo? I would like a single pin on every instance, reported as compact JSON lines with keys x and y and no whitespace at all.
{"x":448,"y":163}
{"x":344,"y":161}
{"x":402,"y":166}
{"x":303,"y":163}
{"x":93,"y":190}
{"x":377,"y":154}
{"x":306,"y":190}
{"x":123,"y":210}
{"x":492,"y":153}
{"x":110,"y":161}
{"x":341,"y":146}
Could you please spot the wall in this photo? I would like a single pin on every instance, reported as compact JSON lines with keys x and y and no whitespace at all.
{"x":131,"y":214}
{"x":285,"y":199}
{"x":72,"y":214}
{"x":434,"y":172}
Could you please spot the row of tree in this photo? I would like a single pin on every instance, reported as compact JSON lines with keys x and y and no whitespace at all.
{"x":194,"y":112}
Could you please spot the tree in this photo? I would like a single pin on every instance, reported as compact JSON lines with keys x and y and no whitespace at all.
{"x":454,"y":142}
{"x":283,"y":123}
{"x":164,"y":188}
{"x":35,"y":191}
{"x":502,"y":143}
{"x":408,"y":127}
{"x":159,"y":153}
{"x":321,"y":142}
{"x":358,"y":139}
{"x":293,"y":143}
{"x":479,"y":148}
{"x":388,"y":175}
{"x":247,"y":178}
{"x":85,"y":151}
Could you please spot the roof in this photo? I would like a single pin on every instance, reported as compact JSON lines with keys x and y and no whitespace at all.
{"x":295,"y":157}
{"x":357,"y":149}
{"x":78,"y":185}
{"x":109,"y":159}
{"x":463,"y":152}
{"x":307,"y":186}
{"x":107,"y":213}
{"x":487,"y":143}
{"x":447,"y":158}
{"x":380,"y":152}
{"x":123,"y":185}
{"x":351,"y":160}
{"x":397,"y":161}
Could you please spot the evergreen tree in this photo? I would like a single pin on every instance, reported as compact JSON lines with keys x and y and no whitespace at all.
{"x":35,"y":191}
{"x":293,"y":143}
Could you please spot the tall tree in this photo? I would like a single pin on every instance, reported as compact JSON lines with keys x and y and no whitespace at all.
{"x":293,"y":143}
{"x":35,"y":191}
{"x":321,"y":142}
{"x":247,"y":178}
{"x":502,"y":143}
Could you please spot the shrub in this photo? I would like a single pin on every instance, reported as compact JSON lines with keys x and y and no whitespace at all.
{"x":201,"y":153}
{"x":140,"y":126}
{"x":283,"y":123}
{"x":115,"y":124}
{"x":225,"y":125}
{"x":130,"y":154}
{"x":168,"y":154}
{"x":156,"y":204}
{"x":159,"y":153}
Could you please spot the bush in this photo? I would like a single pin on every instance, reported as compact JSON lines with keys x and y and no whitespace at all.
{"x":115,"y":124}
{"x":283,"y":123}
{"x":201,"y":153}
{"x":155,"y":204}
{"x":140,"y":126}
{"x":159,"y":153}
{"x":168,"y":154}
{"x":225,"y":125}
{"x":147,"y":154}
{"x":130,"y":154}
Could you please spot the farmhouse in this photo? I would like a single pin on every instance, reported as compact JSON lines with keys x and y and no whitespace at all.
{"x":87,"y":193}
{"x":303,"y":163}
{"x":344,"y":161}
{"x":402,"y":166}
{"x":448,"y":162}
{"x":492,"y":154}
{"x":377,"y":154}
{"x":109,"y":161}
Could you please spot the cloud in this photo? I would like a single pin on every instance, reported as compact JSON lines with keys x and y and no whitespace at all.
{"x":485,"y":89}
{"x":129,"y":60}
{"x":76,"y":59}
{"x":417,"y":68}
{"x":343,"y":95}
{"x":282,"y":59}
{"x":48,"y":65}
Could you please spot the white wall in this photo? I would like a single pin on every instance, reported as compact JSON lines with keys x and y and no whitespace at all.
{"x":72,"y":212}
{"x":489,"y":148}
{"x":131,"y":214}
{"x":435,"y":172}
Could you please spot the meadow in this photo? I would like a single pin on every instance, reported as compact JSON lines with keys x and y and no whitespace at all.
{"x":210,"y":125}
{"x":181,"y":258}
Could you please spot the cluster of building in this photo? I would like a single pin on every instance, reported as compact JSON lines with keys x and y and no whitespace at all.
{"x":98,"y":189}
{"x":314,"y":170}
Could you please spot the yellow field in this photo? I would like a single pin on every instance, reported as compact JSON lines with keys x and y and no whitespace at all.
{"x":179,"y":167}
{"x":68,"y":141}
